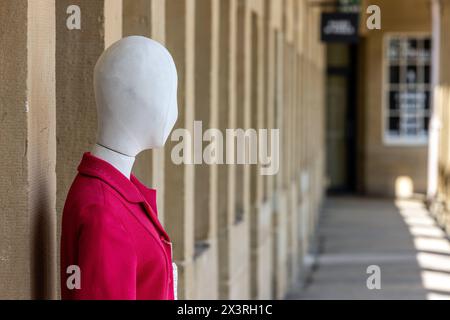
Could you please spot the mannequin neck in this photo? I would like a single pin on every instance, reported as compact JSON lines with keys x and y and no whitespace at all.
{"x":121,"y":162}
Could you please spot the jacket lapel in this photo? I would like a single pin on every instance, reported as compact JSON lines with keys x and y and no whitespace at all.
{"x":154,"y":219}
{"x":146,"y":219}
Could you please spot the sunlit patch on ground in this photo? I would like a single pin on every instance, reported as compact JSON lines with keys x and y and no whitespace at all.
{"x":400,"y":237}
{"x":433,"y":248}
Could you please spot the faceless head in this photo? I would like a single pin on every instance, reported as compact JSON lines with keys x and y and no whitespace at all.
{"x":135,"y":82}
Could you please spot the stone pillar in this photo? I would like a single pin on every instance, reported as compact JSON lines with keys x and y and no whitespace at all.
{"x":282,"y":201}
{"x":442,"y":100}
{"x":137,"y":21}
{"x":190,"y":172}
{"x":179,"y":180}
{"x":158,"y":27}
{"x":203,"y":64}
{"x":207,"y":19}
{"x":250,"y":61}
{"x":113,"y":12}
{"x":137,"y":18}
{"x":270,"y":76}
{"x":238,"y":281}
{"x":77,"y":52}
{"x":240,"y":77}
{"x":27,"y":104}
{"x":225,"y":177}
{"x":41,"y":150}
{"x":260,"y":209}
{"x":252,"y":118}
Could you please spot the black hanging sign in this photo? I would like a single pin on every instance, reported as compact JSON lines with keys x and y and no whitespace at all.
{"x":339,"y":27}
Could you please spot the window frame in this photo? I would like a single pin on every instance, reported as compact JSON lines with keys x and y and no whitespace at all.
{"x":387,"y":138}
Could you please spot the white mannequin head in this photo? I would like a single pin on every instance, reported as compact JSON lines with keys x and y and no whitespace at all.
{"x":135,"y":82}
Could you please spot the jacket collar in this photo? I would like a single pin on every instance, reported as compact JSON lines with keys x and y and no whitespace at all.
{"x":148,"y":194}
{"x":131,"y":190}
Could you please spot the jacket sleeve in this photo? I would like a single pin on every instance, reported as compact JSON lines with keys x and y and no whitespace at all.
{"x":106,"y":256}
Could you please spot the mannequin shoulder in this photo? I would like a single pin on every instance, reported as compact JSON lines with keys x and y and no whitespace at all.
{"x":91,"y":206}
{"x":88,"y":194}
{"x":86,"y":189}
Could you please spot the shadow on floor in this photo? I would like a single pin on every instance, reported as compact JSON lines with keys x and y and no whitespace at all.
{"x":397,"y":236}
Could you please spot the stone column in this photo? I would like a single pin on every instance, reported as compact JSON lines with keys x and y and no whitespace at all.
{"x":260,"y":209}
{"x":203,"y":78}
{"x":207,"y":19}
{"x":27,"y":104}
{"x":179,"y":180}
{"x":270,"y":78}
{"x":77,"y":52}
{"x":444,"y":99}
{"x":280,"y":229}
{"x":137,"y":18}
{"x":238,"y":275}
{"x":158,"y":32}
{"x":225,"y":177}
{"x":137,"y":21}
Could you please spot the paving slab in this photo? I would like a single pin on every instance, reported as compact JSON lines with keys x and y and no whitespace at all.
{"x":397,"y":237}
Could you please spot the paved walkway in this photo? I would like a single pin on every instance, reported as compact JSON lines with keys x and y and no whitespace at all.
{"x":399,"y":237}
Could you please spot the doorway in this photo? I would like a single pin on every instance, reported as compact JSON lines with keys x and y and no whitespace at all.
{"x":341,"y":126}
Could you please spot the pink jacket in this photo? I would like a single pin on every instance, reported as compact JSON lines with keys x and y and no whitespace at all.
{"x":111,"y":231}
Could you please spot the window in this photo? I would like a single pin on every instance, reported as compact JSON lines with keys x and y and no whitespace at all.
{"x":407,"y":89}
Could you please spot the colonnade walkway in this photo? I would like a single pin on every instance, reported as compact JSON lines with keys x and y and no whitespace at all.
{"x":367,"y":243}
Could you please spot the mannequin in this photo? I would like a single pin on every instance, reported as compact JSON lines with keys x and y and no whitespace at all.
{"x":110,"y":229}
{"x":135,"y":84}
